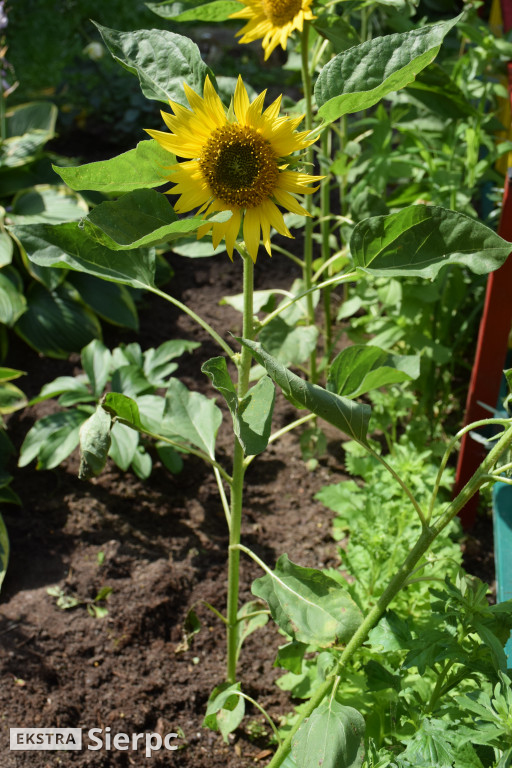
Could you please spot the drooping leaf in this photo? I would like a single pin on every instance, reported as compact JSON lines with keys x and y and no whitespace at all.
{"x":138,"y":219}
{"x":308,"y":605}
{"x":360,"y":368}
{"x":218,"y":10}
{"x":56,"y":323}
{"x":351,"y":418}
{"x":422,"y":239}
{"x":225,"y":709}
{"x":252,"y":416}
{"x":95,"y":439}
{"x":68,"y":246}
{"x":330,"y":738}
{"x":162,"y":61}
{"x":140,"y":168}
{"x":359,"y":77}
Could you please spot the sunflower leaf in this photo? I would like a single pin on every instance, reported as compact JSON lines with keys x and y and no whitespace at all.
{"x":139,"y":168}
{"x":331,"y":737}
{"x":351,"y":418}
{"x":218,"y":10}
{"x":138,"y":219}
{"x":359,"y":77}
{"x":162,"y":61}
{"x":421,"y":239}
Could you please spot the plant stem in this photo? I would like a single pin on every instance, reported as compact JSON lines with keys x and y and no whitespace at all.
{"x":426,"y":538}
{"x":325,"y":229}
{"x":307,"y":269}
{"x":237,"y":485}
{"x":199,"y":320}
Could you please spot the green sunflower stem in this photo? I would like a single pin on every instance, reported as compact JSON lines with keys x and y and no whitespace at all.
{"x":325,"y":228}
{"x":239,"y":467}
{"x":307,"y":269}
{"x":426,"y":538}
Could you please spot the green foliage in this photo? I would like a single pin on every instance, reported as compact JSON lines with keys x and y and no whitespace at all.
{"x":128,"y":371}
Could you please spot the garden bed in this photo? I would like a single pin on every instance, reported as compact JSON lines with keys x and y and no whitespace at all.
{"x":164,"y":549}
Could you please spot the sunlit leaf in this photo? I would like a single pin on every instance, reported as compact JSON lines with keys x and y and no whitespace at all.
{"x":422,"y":239}
{"x":143,"y":167}
{"x":360,"y":368}
{"x":218,"y":10}
{"x":359,"y":77}
{"x":330,"y":738}
{"x":308,"y":605}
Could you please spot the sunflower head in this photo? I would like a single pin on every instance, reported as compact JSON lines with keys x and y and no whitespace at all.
{"x":272,"y":21}
{"x":235,"y":162}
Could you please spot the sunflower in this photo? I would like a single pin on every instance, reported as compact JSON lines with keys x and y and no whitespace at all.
{"x":236,"y":162}
{"x":272,"y":20}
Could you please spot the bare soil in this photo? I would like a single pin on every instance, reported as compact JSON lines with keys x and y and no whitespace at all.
{"x":163,"y":545}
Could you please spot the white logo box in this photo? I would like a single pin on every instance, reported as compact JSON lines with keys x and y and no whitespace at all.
{"x":24,"y":739}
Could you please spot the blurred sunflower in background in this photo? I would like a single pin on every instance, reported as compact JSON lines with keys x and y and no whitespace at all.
{"x":237,"y":162}
{"x":272,"y":20}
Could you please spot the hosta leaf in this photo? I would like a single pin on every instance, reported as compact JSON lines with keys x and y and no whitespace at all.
{"x":218,"y":10}
{"x":422,"y":239}
{"x":191,"y":416}
{"x":67,"y":245}
{"x":138,"y":219}
{"x":96,"y":360}
{"x":112,"y":302}
{"x":359,"y":77}
{"x":330,"y":738}
{"x":351,"y":418}
{"x":56,"y":323}
{"x":162,"y":61}
{"x":47,"y":203}
{"x":143,"y":167}
{"x":308,"y":605}
{"x":4,"y":550}
{"x":124,"y":445}
{"x":12,"y":303}
{"x":11,"y":398}
{"x":6,"y":249}
{"x":360,"y":368}
{"x":63,"y":422}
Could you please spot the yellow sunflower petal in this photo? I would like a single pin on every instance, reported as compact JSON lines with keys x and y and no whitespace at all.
{"x":252,"y":232}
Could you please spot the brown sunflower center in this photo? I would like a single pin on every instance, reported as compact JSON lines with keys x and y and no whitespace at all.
{"x":280,"y":12}
{"x":239,"y":166}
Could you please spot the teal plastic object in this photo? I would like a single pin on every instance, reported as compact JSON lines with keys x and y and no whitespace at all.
{"x":502,"y":525}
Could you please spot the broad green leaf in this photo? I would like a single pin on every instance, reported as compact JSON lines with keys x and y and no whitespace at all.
{"x":123,"y":446}
{"x":112,"y":302}
{"x":56,"y":323}
{"x":225,"y":709}
{"x":9,"y":374}
{"x":69,"y":389}
{"x":192,"y":416}
{"x":49,"y":204}
{"x":96,"y":360}
{"x":67,"y":245}
{"x":138,"y":219}
{"x":308,"y":605}
{"x":290,"y":656}
{"x":12,"y":303}
{"x":337,"y":30}
{"x":34,"y":116}
{"x":391,"y":633}
{"x":157,"y":362}
{"x":361,"y":368}
{"x":422,"y":239}
{"x":143,"y":167}
{"x":125,"y":409}
{"x":252,"y":416}
{"x":11,"y":398}
{"x":218,"y":10}
{"x":351,"y":418}
{"x":4,"y":550}
{"x":95,"y":439}
{"x":162,"y":61}
{"x":330,"y":738}
{"x":130,"y":380}
{"x":290,"y":345}
{"x":196,"y":249}
{"x":6,"y":249}
{"x":431,"y":745}
{"x":63,"y":424}
{"x":360,"y":77}
{"x":142,"y":463}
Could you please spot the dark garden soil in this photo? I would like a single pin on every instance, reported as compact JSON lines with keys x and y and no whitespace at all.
{"x":163,"y":544}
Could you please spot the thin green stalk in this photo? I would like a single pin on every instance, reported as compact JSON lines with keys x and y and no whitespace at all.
{"x":283,"y":431}
{"x":401,"y":483}
{"x":237,"y":485}
{"x":308,"y":230}
{"x":425,"y":540}
{"x":223,"y":497}
{"x":194,"y":451}
{"x":325,"y":229}
{"x":199,"y":320}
